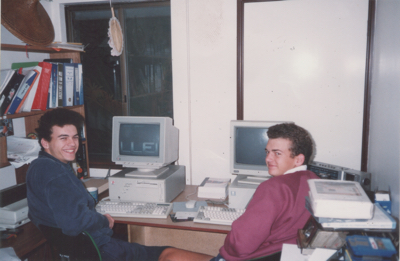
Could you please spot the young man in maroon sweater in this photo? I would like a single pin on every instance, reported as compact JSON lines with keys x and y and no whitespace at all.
{"x":277,"y":209}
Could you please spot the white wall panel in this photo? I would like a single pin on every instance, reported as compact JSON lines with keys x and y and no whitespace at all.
{"x":304,"y":61}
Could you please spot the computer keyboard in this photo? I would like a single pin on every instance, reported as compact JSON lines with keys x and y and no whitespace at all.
{"x":217,"y":215}
{"x":134,"y":209}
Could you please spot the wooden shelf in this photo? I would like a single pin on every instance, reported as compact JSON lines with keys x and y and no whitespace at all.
{"x":54,"y":54}
{"x":31,"y":118}
{"x":33,"y":49}
{"x":31,"y":113}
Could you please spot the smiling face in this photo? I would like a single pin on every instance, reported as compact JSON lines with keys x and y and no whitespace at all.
{"x":64,"y":143}
{"x":279,"y":158}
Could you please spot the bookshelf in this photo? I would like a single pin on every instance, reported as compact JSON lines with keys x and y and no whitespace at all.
{"x":31,"y":118}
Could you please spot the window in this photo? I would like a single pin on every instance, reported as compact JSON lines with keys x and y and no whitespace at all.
{"x":137,"y":83}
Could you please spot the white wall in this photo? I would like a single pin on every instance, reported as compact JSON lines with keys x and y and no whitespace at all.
{"x":304,"y":61}
{"x":384,"y":153}
{"x":204,"y":80}
{"x":7,"y":57}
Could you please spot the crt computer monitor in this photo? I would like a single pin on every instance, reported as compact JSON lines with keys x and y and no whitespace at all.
{"x":247,"y":147}
{"x":145,"y":143}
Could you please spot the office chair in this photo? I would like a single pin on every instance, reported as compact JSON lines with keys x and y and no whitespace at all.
{"x":71,"y":248}
{"x":273,"y":257}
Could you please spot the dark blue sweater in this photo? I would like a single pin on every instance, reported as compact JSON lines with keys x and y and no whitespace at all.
{"x":57,"y":198}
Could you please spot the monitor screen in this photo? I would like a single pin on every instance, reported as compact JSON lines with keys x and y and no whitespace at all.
{"x":248,"y":142}
{"x":144,"y":142}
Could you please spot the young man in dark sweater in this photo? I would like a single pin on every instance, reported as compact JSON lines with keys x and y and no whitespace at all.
{"x":57,"y":198}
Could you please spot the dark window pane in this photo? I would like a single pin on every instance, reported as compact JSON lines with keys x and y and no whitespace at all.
{"x":148,"y":73}
{"x":148,"y":33}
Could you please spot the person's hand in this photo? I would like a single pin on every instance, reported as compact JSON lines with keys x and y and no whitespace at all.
{"x":110,"y":220}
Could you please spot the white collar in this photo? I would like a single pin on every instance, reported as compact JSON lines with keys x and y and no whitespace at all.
{"x":302,"y":167}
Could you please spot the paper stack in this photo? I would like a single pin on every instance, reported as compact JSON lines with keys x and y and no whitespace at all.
{"x":215,"y":188}
{"x":380,"y":220}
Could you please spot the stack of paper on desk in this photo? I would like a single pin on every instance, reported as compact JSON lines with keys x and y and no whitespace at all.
{"x":339,"y":199}
{"x":380,"y":220}
{"x":215,"y":188}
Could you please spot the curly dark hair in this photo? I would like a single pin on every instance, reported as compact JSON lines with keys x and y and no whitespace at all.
{"x":57,"y":117}
{"x":299,"y":137}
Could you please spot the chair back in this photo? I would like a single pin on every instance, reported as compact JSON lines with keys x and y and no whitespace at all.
{"x":73,"y":248}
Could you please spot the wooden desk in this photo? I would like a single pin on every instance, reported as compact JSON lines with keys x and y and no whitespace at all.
{"x":203,"y":238}
{"x":27,"y":242}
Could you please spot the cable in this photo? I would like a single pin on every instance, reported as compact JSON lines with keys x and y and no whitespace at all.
{"x":95,"y":245}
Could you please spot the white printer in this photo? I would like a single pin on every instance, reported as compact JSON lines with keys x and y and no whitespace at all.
{"x":13,"y":206}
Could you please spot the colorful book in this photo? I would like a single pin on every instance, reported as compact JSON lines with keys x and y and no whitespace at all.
{"x":40,"y":101}
{"x":9,"y":92}
{"x":68,"y":84}
{"x":23,"y":90}
{"x":60,"y":84}
{"x":15,"y":66}
{"x":27,"y":104}
{"x":78,"y":95}
{"x":53,"y":87}
{"x":58,"y":60}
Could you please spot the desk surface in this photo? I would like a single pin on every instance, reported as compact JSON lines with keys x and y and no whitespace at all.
{"x":190,"y":191}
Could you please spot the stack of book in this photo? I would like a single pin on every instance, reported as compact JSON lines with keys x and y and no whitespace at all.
{"x":40,"y":86}
{"x":67,"y":46}
{"x":345,"y":205}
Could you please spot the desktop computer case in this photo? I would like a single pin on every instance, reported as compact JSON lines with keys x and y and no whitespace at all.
{"x":162,"y":189}
{"x":240,"y":194}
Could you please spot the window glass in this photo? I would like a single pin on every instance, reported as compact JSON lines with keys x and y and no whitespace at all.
{"x":148,"y":38}
{"x":137,"y":83}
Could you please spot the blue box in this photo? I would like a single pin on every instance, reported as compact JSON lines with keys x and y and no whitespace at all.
{"x":369,"y":248}
{"x":383,"y":199}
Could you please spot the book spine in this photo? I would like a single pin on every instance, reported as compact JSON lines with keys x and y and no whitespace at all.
{"x":40,"y":101}
{"x":9,"y":92}
{"x":26,"y":106}
{"x":80,"y":74}
{"x":54,"y":86}
{"x":68,"y":84}
{"x":60,"y":80}
{"x":22,"y":91}
{"x":76,"y":84}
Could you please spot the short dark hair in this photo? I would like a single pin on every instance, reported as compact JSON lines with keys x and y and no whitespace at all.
{"x":299,"y":137}
{"x":57,"y":117}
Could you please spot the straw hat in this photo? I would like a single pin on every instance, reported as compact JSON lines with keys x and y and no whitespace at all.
{"x":27,"y":20}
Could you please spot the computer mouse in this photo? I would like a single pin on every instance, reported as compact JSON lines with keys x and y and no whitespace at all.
{"x":190,"y":203}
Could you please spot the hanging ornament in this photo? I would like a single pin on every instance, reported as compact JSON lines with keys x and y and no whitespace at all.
{"x":116,"y":41}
